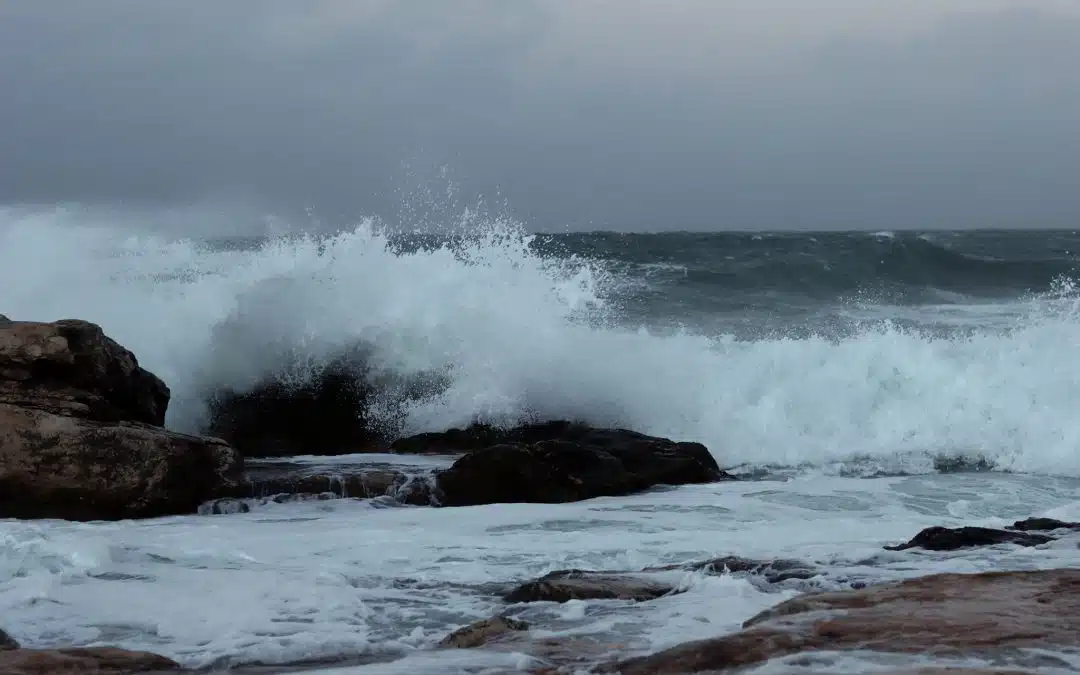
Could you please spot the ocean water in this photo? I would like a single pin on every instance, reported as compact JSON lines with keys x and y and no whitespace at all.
{"x":847,"y":376}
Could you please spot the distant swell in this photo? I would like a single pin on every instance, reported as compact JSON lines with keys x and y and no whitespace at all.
{"x":900,"y":265}
{"x":510,"y":327}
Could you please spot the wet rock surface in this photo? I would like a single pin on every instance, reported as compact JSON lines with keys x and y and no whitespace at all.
{"x":567,"y":585}
{"x":1042,"y":525}
{"x":952,"y":539}
{"x":89,"y":661}
{"x":570,"y":462}
{"x":482,"y":632}
{"x":771,"y":571}
{"x":6,"y":641}
{"x":948,"y":615}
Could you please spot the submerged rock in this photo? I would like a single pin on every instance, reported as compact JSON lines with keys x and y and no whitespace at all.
{"x":353,"y":483}
{"x":569,"y":585}
{"x":951,"y":539}
{"x":949,"y":615}
{"x":89,"y":661}
{"x":772,"y":571}
{"x":80,"y":434}
{"x":564,"y":462}
{"x":1042,"y":525}
{"x":482,"y":632}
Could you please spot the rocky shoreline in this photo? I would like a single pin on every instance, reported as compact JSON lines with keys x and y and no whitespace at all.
{"x":82,"y":438}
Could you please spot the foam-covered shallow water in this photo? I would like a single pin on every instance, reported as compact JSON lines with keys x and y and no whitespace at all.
{"x":337,"y":579}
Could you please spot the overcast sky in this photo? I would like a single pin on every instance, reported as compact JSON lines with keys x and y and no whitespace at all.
{"x":588,"y":114}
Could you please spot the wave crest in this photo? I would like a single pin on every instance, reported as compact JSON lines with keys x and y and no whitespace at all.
{"x":511,"y":331}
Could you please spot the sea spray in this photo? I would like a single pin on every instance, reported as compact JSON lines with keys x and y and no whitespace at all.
{"x":512,"y":332}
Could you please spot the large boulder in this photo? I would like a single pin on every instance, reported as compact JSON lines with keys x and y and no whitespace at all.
{"x":985,"y":616}
{"x":80,"y":434}
{"x":72,"y":368}
{"x":563,"y":462}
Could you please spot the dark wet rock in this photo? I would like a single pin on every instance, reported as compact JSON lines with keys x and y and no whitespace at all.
{"x":224,"y":506}
{"x":572,"y":462}
{"x":948,"y":615}
{"x":90,"y":661}
{"x":6,"y":641}
{"x":1042,"y":525}
{"x":951,"y":539}
{"x":321,"y":414}
{"x":567,"y":585}
{"x":772,"y":571}
{"x":72,"y":368}
{"x":482,"y":632}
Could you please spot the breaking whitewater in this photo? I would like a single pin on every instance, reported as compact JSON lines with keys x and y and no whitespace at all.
{"x":862,"y":386}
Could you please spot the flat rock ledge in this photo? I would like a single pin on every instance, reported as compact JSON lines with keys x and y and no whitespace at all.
{"x":87,"y":661}
{"x":947,"y":615}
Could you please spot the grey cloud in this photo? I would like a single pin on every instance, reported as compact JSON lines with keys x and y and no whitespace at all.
{"x":289,"y":105}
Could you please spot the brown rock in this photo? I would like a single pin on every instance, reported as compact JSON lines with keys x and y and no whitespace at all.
{"x":563,"y":462}
{"x":94,"y":661}
{"x":569,"y":585}
{"x":56,"y":466}
{"x":81,"y":435}
{"x":480,"y":633}
{"x":72,"y":368}
{"x":951,"y":615}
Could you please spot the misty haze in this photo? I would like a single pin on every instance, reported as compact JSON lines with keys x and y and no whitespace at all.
{"x":691,"y":115}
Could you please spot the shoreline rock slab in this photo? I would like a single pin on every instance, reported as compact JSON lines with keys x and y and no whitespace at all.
{"x":481,"y":633}
{"x":81,"y":435}
{"x":570,"y":462}
{"x":947,"y":615}
{"x":85,"y":661}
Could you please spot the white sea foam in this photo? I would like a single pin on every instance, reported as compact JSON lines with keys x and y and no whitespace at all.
{"x":332,"y":579}
{"x":518,"y":334}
